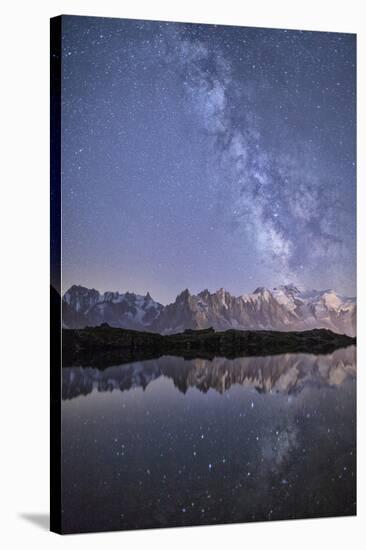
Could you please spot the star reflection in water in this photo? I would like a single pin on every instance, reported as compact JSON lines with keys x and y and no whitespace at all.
{"x":171,"y":442}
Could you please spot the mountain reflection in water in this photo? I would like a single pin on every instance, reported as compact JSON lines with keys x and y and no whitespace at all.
{"x":287,"y":373}
{"x":174,"y":442}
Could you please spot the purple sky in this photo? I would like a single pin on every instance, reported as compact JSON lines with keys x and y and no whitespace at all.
{"x":206,"y":156}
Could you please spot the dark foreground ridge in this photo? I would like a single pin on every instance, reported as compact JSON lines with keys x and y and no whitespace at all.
{"x":105,"y":345}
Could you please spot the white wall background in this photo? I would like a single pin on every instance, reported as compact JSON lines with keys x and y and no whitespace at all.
{"x":24,"y":234}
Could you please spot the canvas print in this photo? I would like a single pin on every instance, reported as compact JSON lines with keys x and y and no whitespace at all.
{"x":203,"y":274}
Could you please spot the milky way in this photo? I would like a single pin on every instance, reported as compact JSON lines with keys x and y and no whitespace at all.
{"x":205,"y":156}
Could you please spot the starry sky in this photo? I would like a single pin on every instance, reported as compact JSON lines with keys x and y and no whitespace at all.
{"x":207,"y":156}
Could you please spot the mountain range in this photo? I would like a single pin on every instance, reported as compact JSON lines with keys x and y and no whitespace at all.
{"x":282,"y":308}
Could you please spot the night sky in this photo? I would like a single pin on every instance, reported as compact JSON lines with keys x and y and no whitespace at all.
{"x":206,"y":156}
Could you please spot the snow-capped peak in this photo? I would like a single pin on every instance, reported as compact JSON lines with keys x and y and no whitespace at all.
{"x":127,"y":310}
{"x":290,"y":289}
{"x":285,"y":307}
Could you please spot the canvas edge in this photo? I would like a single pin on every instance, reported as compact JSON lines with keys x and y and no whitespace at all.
{"x":55,"y":274}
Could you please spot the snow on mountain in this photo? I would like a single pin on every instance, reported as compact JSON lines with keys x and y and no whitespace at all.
{"x":126,"y":310}
{"x":282,"y":308}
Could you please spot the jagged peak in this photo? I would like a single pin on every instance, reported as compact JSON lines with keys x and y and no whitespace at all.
{"x":111,"y":293}
{"x":289,"y":288}
{"x":260,"y":290}
{"x":79,"y":288}
{"x":184,"y":295}
{"x":221,"y":291}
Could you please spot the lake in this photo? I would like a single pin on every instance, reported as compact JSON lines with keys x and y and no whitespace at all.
{"x":173,"y":442}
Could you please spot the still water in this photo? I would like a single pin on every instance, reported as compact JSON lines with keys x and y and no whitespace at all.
{"x":173,"y":442}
